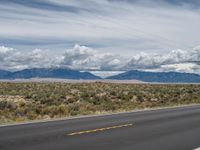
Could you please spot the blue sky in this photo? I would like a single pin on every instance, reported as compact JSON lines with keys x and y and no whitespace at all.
{"x":100,"y":34}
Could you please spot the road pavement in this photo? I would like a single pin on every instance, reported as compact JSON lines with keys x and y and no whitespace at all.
{"x":163,"y":129}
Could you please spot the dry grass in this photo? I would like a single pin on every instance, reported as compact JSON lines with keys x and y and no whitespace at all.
{"x":34,"y":101}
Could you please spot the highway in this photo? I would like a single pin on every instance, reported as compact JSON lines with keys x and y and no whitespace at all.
{"x":162,"y":129}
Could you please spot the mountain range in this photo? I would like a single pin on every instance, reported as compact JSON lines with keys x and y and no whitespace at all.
{"x":165,"y":77}
{"x":63,"y":73}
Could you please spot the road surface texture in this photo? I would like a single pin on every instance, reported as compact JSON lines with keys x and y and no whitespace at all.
{"x":164,"y":129}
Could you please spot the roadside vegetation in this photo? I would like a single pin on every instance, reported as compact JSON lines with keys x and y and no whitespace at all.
{"x":34,"y":101}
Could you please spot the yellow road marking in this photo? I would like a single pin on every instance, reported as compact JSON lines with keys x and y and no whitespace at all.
{"x":100,"y":129}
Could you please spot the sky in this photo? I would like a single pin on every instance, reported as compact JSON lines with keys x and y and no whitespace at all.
{"x":151,"y":35}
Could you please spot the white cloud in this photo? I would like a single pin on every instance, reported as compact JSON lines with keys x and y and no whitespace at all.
{"x":118,"y":30}
{"x":85,"y":58}
{"x":184,"y":67}
{"x":11,"y":59}
{"x":118,"y":27}
{"x":79,"y":57}
{"x":152,"y":61}
{"x":5,"y":50}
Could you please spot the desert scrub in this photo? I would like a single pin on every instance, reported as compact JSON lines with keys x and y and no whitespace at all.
{"x":33,"y":101}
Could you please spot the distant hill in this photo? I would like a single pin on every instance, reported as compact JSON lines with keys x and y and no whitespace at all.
{"x":165,"y":77}
{"x":63,"y":73}
{"x":4,"y":74}
{"x":47,"y":73}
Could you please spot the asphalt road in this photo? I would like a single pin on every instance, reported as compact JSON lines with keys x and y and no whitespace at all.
{"x":166,"y":129}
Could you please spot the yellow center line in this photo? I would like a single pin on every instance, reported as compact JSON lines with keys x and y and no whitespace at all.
{"x":100,"y":129}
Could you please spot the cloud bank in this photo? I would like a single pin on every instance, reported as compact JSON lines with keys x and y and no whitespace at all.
{"x":146,"y":61}
{"x":85,"y":58}
{"x":11,"y":59}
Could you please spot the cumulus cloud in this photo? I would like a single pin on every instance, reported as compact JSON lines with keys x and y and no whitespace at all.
{"x":176,"y":60}
{"x":4,"y":52}
{"x":182,"y":67}
{"x":147,"y":61}
{"x":79,"y":58}
{"x":85,"y":58}
{"x":12,"y":59}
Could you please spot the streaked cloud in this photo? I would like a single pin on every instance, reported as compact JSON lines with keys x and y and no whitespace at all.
{"x":116,"y":26}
